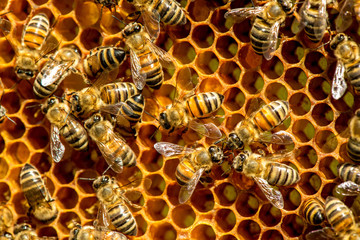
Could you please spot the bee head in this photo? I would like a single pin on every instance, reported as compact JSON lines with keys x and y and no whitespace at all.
{"x":131,"y":29}
{"x":101,"y":181}
{"x":75,"y":102}
{"x":357,"y":113}
{"x":234,"y":142}
{"x":8,"y":235}
{"x":74,"y":231}
{"x":217,"y":155}
{"x":91,"y":121}
{"x":24,"y":73}
{"x":164,"y":121}
{"x":21,"y":228}
{"x":49,"y":103}
{"x":238,"y":162}
{"x":337,"y":40}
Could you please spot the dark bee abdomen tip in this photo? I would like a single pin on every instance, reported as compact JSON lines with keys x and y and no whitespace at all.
{"x":318,"y":218}
{"x":139,"y":98}
{"x":27,"y":166}
{"x":120,"y":54}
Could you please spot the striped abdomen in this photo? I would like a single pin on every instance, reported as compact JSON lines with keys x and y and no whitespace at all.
{"x":280,"y":174}
{"x":75,"y":134}
{"x":204,"y":104}
{"x":315,"y":25}
{"x":338,"y":215}
{"x":353,"y":72}
{"x":259,"y":35}
{"x":185,"y":170}
{"x":36,"y":31}
{"x":122,"y":219}
{"x":150,"y":67}
{"x":349,"y":172}
{"x":133,"y":108}
{"x":271,"y":115}
{"x":33,"y":186}
{"x":117,"y":92}
{"x":313,"y":211}
{"x":170,"y":12}
{"x":120,"y":150}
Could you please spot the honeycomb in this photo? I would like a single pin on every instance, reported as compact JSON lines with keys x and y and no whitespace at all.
{"x":219,"y":55}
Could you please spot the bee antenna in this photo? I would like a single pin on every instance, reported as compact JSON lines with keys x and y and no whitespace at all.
{"x":6,"y":13}
{"x":151,"y":115}
{"x":11,"y":120}
{"x":129,"y":183}
{"x":119,"y":20}
{"x":152,"y":136}
{"x":219,"y":141}
{"x":87,"y":179}
{"x":107,"y":169}
{"x":32,"y":106}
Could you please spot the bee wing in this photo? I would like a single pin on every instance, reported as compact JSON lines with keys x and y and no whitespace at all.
{"x":49,"y":45}
{"x":345,"y":16}
{"x":280,"y":138}
{"x":240,"y":14}
{"x":138,"y":77}
{"x":281,"y":155}
{"x":303,"y":11}
{"x":210,"y":130}
{"x":102,"y":218}
{"x":187,"y":190}
{"x":112,"y":108}
{"x":165,"y":58}
{"x":348,"y":188}
{"x":339,"y":86}
{"x":325,"y":233}
{"x":152,"y":23}
{"x":273,"y":37}
{"x":55,"y":73}
{"x":5,"y":26}
{"x":274,"y":196}
{"x":170,"y":149}
{"x":57,"y":149}
{"x":320,"y":21}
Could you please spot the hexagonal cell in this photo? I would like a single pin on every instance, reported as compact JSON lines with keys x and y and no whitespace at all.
{"x":232,"y":121}
{"x":11,"y":130}
{"x":66,"y":221}
{"x":87,"y":13}
{"x":187,"y":78}
{"x":229,"y":72}
{"x":40,"y":2}
{"x":67,"y":28}
{"x":203,"y":36}
{"x":322,"y":114}
{"x":145,"y":133}
{"x":6,"y":52}
{"x":172,"y":192}
{"x":300,"y":103}
{"x":203,"y":200}
{"x":328,"y":190}
{"x":293,"y":225}
{"x":4,"y":167}
{"x":273,"y":68}
{"x":272,"y":235}
{"x":5,"y":193}
{"x":226,"y":46}
{"x":292,"y":51}
{"x":38,"y":137}
{"x":41,"y":161}
{"x":183,"y":216}
{"x":247,"y":204}
{"x":210,"y":85}
{"x":142,"y":225}
{"x":226,"y":219}
{"x":163,"y":231}
{"x":90,"y":38}
{"x":241,"y":30}
{"x":249,"y":229}
{"x":342,"y":121}
{"x":157,"y":209}
{"x":19,"y":152}
{"x":252,"y":82}
{"x":32,"y":114}
{"x":19,"y":202}
{"x":306,"y":156}
{"x":109,"y":24}
{"x":21,"y":9}
{"x":315,"y":62}
{"x":296,"y":78}
{"x":345,"y":103}
{"x":170,"y":168}
{"x":64,"y":171}
{"x":226,"y":193}
{"x":248,"y":58}
{"x":179,"y":31}
{"x":184,"y":52}
{"x":303,"y":130}
{"x":326,"y":140}
{"x":199,"y":11}
{"x":328,"y":166}
{"x":234,"y":99}
{"x":84,"y":181}
{"x":64,"y":6}
{"x":275,"y":91}
{"x":151,"y":160}
{"x":3,"y":4}
{"x":68,"y":198}
{"x":270,"y":215}
{"x":292,"y":199}
{"x":310,"y":183}
{"x":207,"y":62}
{"x":47,"y":232}
{"x":89,"y":207}
{"x":157,"y":186}
{"x":203,"y":232}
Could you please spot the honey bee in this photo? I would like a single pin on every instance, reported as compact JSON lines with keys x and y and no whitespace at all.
{"x":25,"y":231}
{"x":112,"y":205}
{"x":349,"y":9}
{"x":113,"y":148}
{"x":313,"y":211}
{"x":350,"y":174}
{"x":265,"y":29}
{"x":2,"y":108}
{"x":192,"y":165}
{"x":347,"y":53}
{"x":6,"y":219}
{"x":107,"y":3}
{"x":42,"y":206}
{"x":94,"y":233}
{"x":113,"y":93}
{"x":258,"y":125}
{"x":63,"y":123}
{"x":145,"y":57}
{"x":353,"y":149}
{"x":265,"y":172}
{"x":6,"y":236}
{"x":61,"y":65}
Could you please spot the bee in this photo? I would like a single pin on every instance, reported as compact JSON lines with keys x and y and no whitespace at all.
{"x":350,"y":174}
{"x":265,"y":172}
{"x":192,"y":165}
{"x":62,"y":122}
{"x":94,"y":233}
{"x":3,"y":110}
{"x":349,"y":9}
{"x":107,"y":3}
{"x":6,"y":236}
{"x":42,"y":206}
{"x":113,"y":148}
{"x":25,"y":231}
{"x":60,"y":66}
{"x":258,"y":125}
{"x":265,"y":29}
{"x":347,"y":53}
{"x":113,"y":93}
{"x":6,"y":219}
{"x":112,"y":200}
{"x":313,"y":211}
{"x":145,"y":57}
{"x":353,"y":149}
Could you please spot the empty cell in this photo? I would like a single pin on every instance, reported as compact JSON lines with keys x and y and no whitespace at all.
{"x":241,"y":30}
{"x":303,"y":130}
{"x":247,"y":204}
{"x":6,"y":52}
{"x":172,"y":192}
{"x":5,"y":193}
{"x":226,"y":193}
{"x":183,"y":216}
{"x":296,"y":78}
{"x":203,"y":232}
{"x":233,"y":120}
{"x":342,"y":121}
{"x":229,"y":72}
{"x":42,"y":161}
{"x":292,"y":199}
{"x":47,"y":232}
{"x":18,"y":152}
{"x":272,"y":235}
{"x":109,"y":24}
{"x":252,"y":82}
{"x":179,"y":31}
{"x":203,"y":200}
{"x":275,"y":91}
{"x":21,"y":9}
{"x":67,"y":28}
{"x":319,"y":88}
{"x":310,"y":183}
{"x":300,"y":103}
{"x":11,"y":102}
{"x":293,"y":225}
{"x":64,"y":6}
{"x":87,"y":13}
{"x":292,"y":51}
{"x":328,"y":166}
{"x":248,"y":58}
{"x":66,"y":221}
{"x":326,"y":141}
{"x":32,"y":114}
{"x":270,"y":215}
{"x":199,"y":10}
{"x":226,"y":219}
{"x":90,"y":38}
{"x":234,"y":99}
{"x":152,"y":160}
{"x":141,"y":224}
{"x":64,"y":171}
{"x":170,"y":168}
{"x":210,"y":85}
{"x":68,"y":198}
{"x":203,"y":36}
{"x":145,"y":133}
{"x":306,"y":156}
{"x":207,"y":62}
{"x":219,"y":22}
{"x":322,"y":114}
{"x":273,"y":68}
{"x":228,"y":237}
{"x":89,"y":207}
{"x":345,"y":103}
{"x":163,"y":231}
{"x":315,"y":62}
{"x":226,"y":46}
{"x":157,"y":186}
{"x":4,"y":167}
{"x":184,"y":52}
{"x":19,"y":202}
{"x":3,"y":4}
{"x":85,"y":179}
{"x":328,"y":190}
{"x":249,"y":229}
{"x":157,"y":209}
{"x":38,"y":137}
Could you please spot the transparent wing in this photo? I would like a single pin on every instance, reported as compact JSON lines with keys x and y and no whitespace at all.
{"x":5,"y":26}
{"x":321,"y":21}
{"x":152,"y":23}
{"x":303,"y":12}
{"x":170,"y":149}
{"x":138,"y":77}
{"x":280,"y":138}
{"x":279,"y":156}
{"x":348,"y":188}
{"x":165,"y":58}
{"x":325,"y":233}
{"x":57,"y":149}
{"x":240,"y":14}
{"x":210,"y":130}
{"x":339,"y":86}
{"x":273,"y":37}
{"x":102,"y":218}
{"x":345,"y":16}
{"x":55,"y":72}
{"x":187,"y":190}
{"x":113,"y":109}
{"x":50,"y":44}
{"x":274,"y":196}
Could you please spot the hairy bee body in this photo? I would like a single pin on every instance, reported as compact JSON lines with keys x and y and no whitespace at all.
{"x":113,"y":93}
{"x":204,"y":104}
{"x":6,"y":218}
{"x":85,"y":102}
{"x":25,"y":231}
{"x":339,"y":216}
{"x":353,"y":145}
{"x":349,"y":172}
{"x":108,"y":3}
{"x":37,"y":195}
{"x":280,"y":174}
{"x":315,"y":23}
{"x":6,"y":236}
{"x":92,"y":233}
{"x":313,"y":211}
{"x":2,"y":113}
{"x":133,"y":108}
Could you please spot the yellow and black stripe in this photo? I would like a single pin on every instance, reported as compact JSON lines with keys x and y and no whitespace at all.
{"x":185,"y":170}
{"x":122,"y":219}
{"x":75,"y":134}
{"x":169,"y":10}
{"x":204,"y":104}
{"x":36,"y":31}
{"x":117,"y":92}
{"x":315,"y":24}
{"x":313,"y":211}
{"x":150,"y":67}
{"x":280,"y":174}
{"x":353,"y":72}
{"x":349,"y":172}
{"x":353,"y":145}
{"x":259,"y":35}
{"x":133,"y":108}
{"x":271,"y":115}
{"x":339,"y":215}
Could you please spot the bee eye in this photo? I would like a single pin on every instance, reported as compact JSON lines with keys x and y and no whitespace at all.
{"x":358,"y":113}
{"x":96,"y":186}
{"x":20,"y":71}
{"x":106,"y":179}
{"x":97,"y":119}
{"x":29,"y":73}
